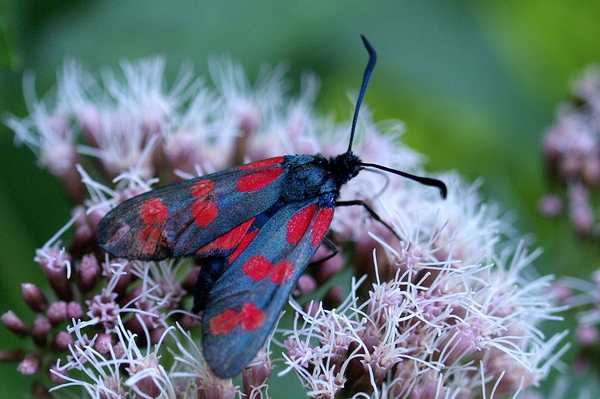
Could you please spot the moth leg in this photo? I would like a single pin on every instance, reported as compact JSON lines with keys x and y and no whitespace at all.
{"x":334,"y":251}
{"x":371,"y":212}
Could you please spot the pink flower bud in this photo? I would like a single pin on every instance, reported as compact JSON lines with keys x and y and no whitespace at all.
{"x":62,"y":341}
{"x":40,"y":329}
{"x":12,"y":323}
{"x":256,"y":375}
{"x":88,"y":272}
{"x":70,"y":178}
{"x":141,"y":323}
{"x":463,"y":341}
{"x":375,"y":366}
{"x":58,"y":123}
{"x":149,"y":387}
{"x":84,"y":233}
{"x":147,"y":384}
{"x":56,"y":375}
{"x":32,"y":364}
{"x":54,"y":263}
{"x":249,"y":117}
{"x":119,"y":350}
{"x":370,"y":336}
{"x":111,"y":385}
{"x":428,"y":386}
{"x":57,"y":312}
{"x":74,"y":311}
{"x":34,"y":297}
{"x":299,"y":352}
{"x":103,"y":343}
{"x":96,"y":216}
{"x":591,"y":170}
{"x":216,"y":389}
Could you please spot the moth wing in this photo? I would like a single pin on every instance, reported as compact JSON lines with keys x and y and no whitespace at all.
{"x":181,"y":218}
{"x":246,"y":301}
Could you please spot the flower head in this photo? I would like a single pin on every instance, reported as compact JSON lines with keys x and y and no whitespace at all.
{"x":444,"y":309}
{"x":572,"y":148}
{"x":454,"y":316}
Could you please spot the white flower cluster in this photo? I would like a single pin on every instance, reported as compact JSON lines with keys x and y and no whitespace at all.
{"x":454,"y":316}
{"x":446,"y":311}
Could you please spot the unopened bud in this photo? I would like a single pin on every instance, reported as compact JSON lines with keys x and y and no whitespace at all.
{"x":256,"y":375}
{"x":34,"y":297}
{"x":74,"y":311}
{"x":32,"y":364}
{"x":62,"y":341}
{"x":40,"y":329}
{"x":56,"y":375}
{"x":12,"y":323}
{"x":57,"y":313}
{"x":88,"y":273}
{"x":54,"y":263}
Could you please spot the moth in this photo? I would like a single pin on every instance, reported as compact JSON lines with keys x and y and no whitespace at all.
{"x":255,"y":227}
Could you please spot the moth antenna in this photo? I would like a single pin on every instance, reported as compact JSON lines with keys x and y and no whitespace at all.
{"x":427,"y":181}
{"x":366,"y":76}
{"x":363,"y":89}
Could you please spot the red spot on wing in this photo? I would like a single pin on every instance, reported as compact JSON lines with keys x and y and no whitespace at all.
{"x":204,"y":211}
{"x":257,"y":267}
{"x":204,"y":208}
{"x":283,"y":271}
{"x":261,"y":164}
{"x":321,"y":224}
{"x":228,"y":240}
{"x":259,"y":179}
{"x":154,"y":211}
{"x":251,"y":317}
{"x":299,"y":223}
{"x":203,"y":188}
{"x":246,"y":240}
{"x":224,"y":323}
{"x":154,"y":214}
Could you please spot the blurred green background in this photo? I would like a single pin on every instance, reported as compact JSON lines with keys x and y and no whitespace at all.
{"x":476,"y":81}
